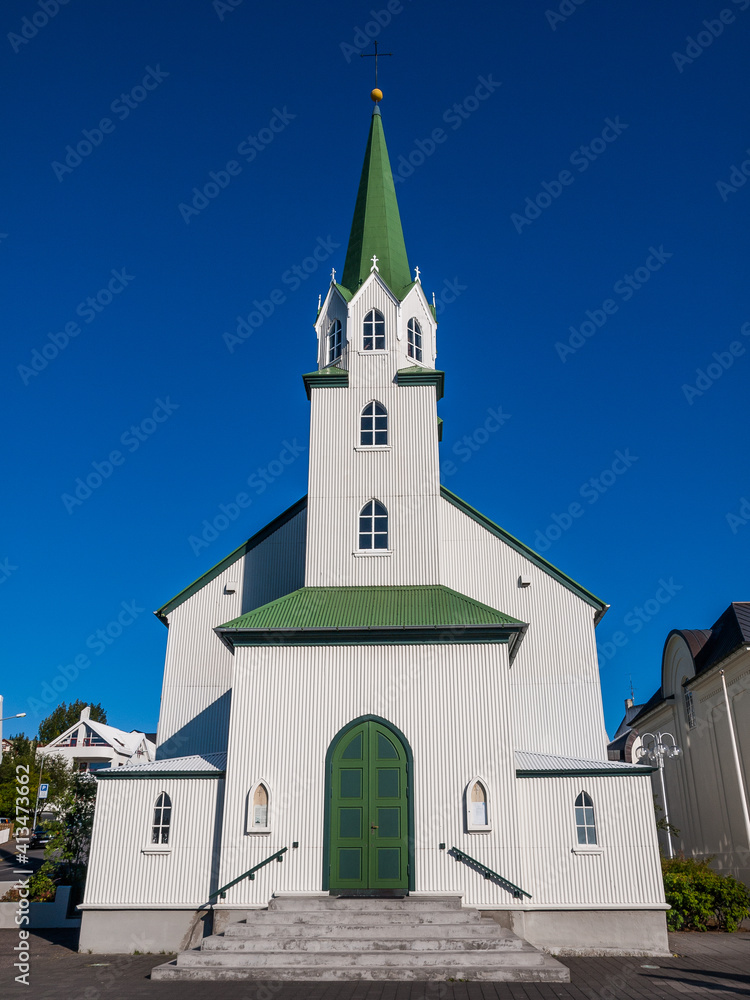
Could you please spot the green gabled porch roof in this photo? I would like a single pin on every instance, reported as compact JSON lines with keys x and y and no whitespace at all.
{"x":366,"y":616}
{"x":371,"y":607}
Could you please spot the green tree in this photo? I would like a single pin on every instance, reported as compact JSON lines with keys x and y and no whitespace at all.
{"x":22,"y":759}
{"x":67,"y":854}
{"x":64,"y":716}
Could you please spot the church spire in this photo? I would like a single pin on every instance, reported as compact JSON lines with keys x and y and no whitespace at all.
{"x":376,"y":226}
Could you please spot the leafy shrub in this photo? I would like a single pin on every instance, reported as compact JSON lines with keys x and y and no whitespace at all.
{"x":41,"y":890}
{"x":699,"y":896}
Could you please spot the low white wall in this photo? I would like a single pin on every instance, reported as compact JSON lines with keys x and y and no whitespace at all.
{"x":4,"y":834}
{"x":41,"y":915}
{"x":124,"y":931}
{"x":590,"y":932}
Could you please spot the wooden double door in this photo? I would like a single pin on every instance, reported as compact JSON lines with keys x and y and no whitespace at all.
{"x":368,"y":824}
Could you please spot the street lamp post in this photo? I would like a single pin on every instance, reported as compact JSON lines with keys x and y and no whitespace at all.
{"x":660,"y":745}
{"x":18,"y":715}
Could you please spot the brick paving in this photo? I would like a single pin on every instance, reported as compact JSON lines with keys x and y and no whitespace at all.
{"x":702,"y":966}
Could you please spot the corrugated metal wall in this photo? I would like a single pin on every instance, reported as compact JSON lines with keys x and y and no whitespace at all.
{"x":627,"y":871}
{"x":196,"y":693}
{"x":405,"y":479}
{"x":119,"y":871}
{"x":451,"y":703}
{"x":557,"y":703}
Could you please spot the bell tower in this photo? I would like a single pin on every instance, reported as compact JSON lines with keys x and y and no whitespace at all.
{"x":374,"y":482}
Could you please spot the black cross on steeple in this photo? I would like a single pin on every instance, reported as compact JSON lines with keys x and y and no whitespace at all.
{"x":375,"y":54}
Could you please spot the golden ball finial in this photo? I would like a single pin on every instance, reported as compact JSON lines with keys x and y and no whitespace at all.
{"x":377,"y":95}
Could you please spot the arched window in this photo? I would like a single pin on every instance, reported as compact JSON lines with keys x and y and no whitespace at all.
{"x":477,"y":805}
{"x":414,"y":339}
{"x":335,"y":341}
{"x":162,"y":820}
{"x":373,"y":526}
{"x":374,"y":331}
{"x":373,"y":424}
{"x":689,"y":705}
{"x":258,"y":809}
{"x":260,"y":806}
{"x":585,"y":822}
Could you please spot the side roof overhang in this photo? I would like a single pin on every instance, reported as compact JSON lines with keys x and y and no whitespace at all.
{"x":211,"y":574}
{"x":599,"y":606}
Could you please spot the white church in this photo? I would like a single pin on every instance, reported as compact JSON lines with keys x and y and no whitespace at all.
{"x":381,"y":750}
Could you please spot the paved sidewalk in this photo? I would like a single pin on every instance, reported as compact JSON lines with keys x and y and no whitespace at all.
{"x":703,"y":966}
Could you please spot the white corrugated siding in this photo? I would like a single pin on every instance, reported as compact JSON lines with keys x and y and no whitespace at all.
{"x":449,"y":701}
{"x":405,"y":479}
{"x":627,"y":871}
{"x":119,"y":873}
{"x":195,"y":700}
{"x":557,"y":703}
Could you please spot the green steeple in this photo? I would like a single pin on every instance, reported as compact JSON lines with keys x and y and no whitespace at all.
{"x":376,"y":226}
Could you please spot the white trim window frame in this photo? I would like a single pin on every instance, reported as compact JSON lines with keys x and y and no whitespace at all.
{"x":161,"y":821}
{"x":587,"y":833}
{"x":334,"y":341}
{"x":373,"y":527}
{"x":373,"y":331}
{"x":414,"y":339}
{"x":258,"y":810}
{"x":373,"y":425}
{"x":477,"y":813}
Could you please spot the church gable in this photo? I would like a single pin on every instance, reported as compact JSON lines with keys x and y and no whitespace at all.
{"x":231,"y":560}
{"x":525,"y":551}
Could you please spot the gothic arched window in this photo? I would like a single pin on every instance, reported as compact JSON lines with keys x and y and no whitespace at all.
{"x":374,"y":331}
{"x":477,"y":805}
{"x":373,"y":424}
{"x":373,"y":526}
{"x":585,"y":822}
{"x":414,"y":339}
{"x":162,"y":820}
{"x":258,"y":809}
{"x":335,"y":341}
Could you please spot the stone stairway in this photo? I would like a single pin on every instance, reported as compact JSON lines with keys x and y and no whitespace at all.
{"x":419,"y":938}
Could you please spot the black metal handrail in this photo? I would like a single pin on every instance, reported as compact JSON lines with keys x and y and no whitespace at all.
{"x":488,"y":873}
{"x":249,"y":874}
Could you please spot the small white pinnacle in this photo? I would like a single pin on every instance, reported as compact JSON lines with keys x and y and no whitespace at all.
{"x":417,"y":273}
{"x":333,"y":275}
{"x":375,"y":264}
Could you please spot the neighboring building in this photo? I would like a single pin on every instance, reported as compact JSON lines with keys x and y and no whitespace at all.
{"x":379,"y":675}
{"x":705,"y":794}
{"x":91,"y":746}
{"x":625,"y":742}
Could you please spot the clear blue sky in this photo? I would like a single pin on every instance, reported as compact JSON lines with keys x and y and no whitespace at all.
{"x":198,"y":80}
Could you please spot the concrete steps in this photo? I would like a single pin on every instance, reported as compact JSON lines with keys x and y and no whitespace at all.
{"x":420,"y":938}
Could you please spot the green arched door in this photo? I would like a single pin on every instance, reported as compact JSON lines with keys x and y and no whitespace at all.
{"x":369,"y":815}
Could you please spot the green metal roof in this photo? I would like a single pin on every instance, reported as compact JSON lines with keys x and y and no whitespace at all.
{"x":422,"y":376}
{"x":371,"y":607}
{"x":332,"y":377}
{"x":376,"y":226}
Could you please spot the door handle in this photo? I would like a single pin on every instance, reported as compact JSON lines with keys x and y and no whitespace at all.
{"x":373,"y":827}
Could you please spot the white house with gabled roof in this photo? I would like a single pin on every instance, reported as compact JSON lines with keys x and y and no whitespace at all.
{"x":384,"y":690}
{"x":88,"y":745}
